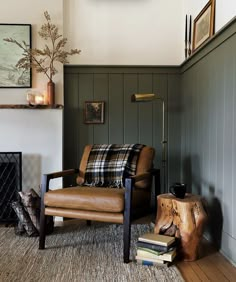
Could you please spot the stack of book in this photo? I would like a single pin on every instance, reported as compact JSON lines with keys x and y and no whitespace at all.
{"x":155,"y":249}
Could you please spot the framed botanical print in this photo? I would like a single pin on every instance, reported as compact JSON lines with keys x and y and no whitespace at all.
{"x":12,"y":76}
{"x":204,"y":23}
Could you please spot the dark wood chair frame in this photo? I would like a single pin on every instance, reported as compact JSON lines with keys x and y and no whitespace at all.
{"x":128,"y":216}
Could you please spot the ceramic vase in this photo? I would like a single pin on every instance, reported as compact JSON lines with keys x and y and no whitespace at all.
{"x":51,"y":92}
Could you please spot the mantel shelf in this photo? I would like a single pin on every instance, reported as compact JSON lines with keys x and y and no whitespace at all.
{"x":30,"y":107}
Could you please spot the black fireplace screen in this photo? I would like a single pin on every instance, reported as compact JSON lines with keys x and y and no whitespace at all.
{"x":10,"y":183}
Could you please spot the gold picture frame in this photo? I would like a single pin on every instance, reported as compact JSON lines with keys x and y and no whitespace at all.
{"x":94,"y":112}
{"x":204,"y":25}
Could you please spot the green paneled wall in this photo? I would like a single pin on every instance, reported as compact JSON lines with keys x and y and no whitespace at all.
{"x":125,"y":121}
{"x":209,"y":133}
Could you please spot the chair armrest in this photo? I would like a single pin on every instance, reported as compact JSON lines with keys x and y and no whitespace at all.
{"x":47,"y":177}
{"x":152,"y":172}
{"x":155,"y":171}
{"x":141,"y":176}
{"x":130,"y":181}
{"x":62,"y":173}
{"x":129,"y":185}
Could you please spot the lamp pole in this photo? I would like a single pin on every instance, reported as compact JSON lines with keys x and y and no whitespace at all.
{"x":148,"y":98}
{"x":164,"y":142}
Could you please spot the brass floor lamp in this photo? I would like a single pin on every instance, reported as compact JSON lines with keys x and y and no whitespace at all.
{"x":149,"y":98}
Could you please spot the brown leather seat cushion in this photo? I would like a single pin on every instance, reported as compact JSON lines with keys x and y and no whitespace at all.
{"x":94,"y":199}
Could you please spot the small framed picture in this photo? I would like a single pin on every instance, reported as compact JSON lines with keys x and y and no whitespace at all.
{"x":94,"y":112}
{"x":204,"y":24}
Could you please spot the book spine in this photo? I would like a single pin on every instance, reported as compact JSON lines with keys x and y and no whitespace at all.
{"x":159,"y":243}
{"x":151,"y":263}
{"x":145,"y":262}
{"x":154,"y":252}
{"x":149,"y":255}
{"x":154,"y":247}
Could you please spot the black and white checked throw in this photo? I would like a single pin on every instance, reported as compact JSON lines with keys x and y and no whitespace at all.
{"x":108,"y":165}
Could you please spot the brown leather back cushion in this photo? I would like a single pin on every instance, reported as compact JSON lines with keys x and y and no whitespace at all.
{"x":145,"y":163}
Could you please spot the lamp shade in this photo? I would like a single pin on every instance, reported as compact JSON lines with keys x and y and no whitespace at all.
{"x":142,"y":97}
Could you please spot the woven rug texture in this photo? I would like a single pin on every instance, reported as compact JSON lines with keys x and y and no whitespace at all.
{"x":77,"y":252}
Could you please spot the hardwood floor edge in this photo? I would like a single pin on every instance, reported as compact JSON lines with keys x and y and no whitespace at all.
{"x":220,"y":251}
{"x":227,"y":258}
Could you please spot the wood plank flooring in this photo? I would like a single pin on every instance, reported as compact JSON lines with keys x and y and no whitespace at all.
{"x":211,"y":266}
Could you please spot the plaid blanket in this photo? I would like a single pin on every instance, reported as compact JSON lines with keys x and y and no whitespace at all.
{"x":108,"y":165}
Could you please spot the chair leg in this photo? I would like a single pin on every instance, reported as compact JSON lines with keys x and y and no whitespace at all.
{"x":42,"y":231}
{"x":88,"y":222}
{"x":127,"y":218}
{"x":127,"y":235}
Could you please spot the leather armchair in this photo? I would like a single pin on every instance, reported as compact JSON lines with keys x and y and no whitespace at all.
{"x":101,"y":204}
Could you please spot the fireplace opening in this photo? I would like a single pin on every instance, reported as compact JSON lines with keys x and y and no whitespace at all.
{"x":10,"y":184}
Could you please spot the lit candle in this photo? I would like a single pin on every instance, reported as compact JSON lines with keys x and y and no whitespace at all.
{"x":39,"y":99}
{"x":45,"y":95}
{"x":190,"y":29}
{"x":186,"y":27}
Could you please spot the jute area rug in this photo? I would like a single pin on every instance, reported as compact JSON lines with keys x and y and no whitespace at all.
{"x":77,"y":252}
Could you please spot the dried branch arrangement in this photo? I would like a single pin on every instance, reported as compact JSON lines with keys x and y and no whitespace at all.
{"x":44,"y":60}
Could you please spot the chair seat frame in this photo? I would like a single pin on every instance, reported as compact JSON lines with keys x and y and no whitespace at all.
{"x":128,"y":216}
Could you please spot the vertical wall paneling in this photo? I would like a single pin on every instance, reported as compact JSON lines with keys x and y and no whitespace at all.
{"x":101,"y":88}
{"x":234,"y":149}
{"x":70,"y":125}
{"x":203,"y":82}
{"x":185,"y":123}
{"x":174,"y":125}
{"x":71,"y":121}
{"x":85,"y":93}
{"x":208,"y":138}
{"x":219,"y":121}
{"x":160,"y":89}
{"x":192,"y":164}
{"x":229,"y":77}
{"x":116,"y":109}
{"x":125,"y":121}
{"x":145,"y":110}
{"x":131,"y":117}
{"x":213,"y":135}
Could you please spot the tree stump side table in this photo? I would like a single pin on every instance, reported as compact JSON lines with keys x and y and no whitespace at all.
{"x":182,"y":218}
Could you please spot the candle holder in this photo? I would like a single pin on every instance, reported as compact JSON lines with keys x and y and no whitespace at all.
{"x":186,"y":49}
{"x":186,"y":41}
{"x":188,"y":37}
{"x":189,"y":49}
{"x":35,"y":98}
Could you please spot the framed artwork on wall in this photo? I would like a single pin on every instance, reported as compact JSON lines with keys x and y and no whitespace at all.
{"x":12,"y":76}
{"x":204,"y":24}
{"x":94,"y":112}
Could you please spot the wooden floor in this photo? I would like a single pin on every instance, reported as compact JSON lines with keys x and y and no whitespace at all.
{"x":211,"y":266}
